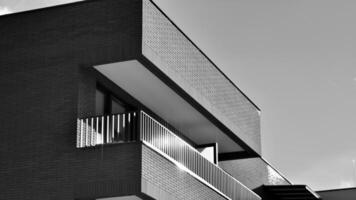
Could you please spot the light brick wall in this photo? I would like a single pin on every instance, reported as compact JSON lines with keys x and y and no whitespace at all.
{"x":165,"y":46}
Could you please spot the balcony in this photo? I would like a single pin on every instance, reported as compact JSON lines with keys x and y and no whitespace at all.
{"x":139,"y":126}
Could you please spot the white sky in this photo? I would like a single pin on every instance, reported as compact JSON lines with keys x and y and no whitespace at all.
{"x":296,"y":60}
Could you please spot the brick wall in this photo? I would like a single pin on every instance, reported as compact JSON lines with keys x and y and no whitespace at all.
{"x":44,"y":87}
{"x":162,"y":179}
{"x":41,"y":56}
{"x":166,"y":47}
{"x":253,"y":172}
{"x":38,"y":155}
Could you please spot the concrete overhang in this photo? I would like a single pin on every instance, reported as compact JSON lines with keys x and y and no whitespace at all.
{"x":151,"y":91}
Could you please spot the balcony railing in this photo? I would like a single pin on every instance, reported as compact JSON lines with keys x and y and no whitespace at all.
{"x":139,"y":126}
{"x":108,"y":129}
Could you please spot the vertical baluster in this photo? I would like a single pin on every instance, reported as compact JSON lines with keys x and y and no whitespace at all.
{"x":152,"y":133}
{"x":146,"y":127}
{"x":92,"y":132}
{"x":165,"y":137}
{"x":197,"y":162}
{"x":180,"y":150}
{"x":162,"y":137}
{"x":203,"y":168}
{"x":107,"y":129}
{"x":172,"y":144}
{"x":221,"y":181}
{"x":124,"y":127}
{"x":118,"y":127}
{"x":113,"y":128}
{"x":138,"y":125}
{"x":158,"y":136}
{"x":82,"y":133}
{"x":142,"y":125}
{"x":187,"y":156}
{"x":132,"y":125}
{"x":78,"y":133}
{"x":97,"y":130}
{"x":224,"y":182}
{"x":186,"y":149}
{"x":86,"y":133}
{"x":136,"y":117}
{"x":127,"y":126}
{"x":164,"y":142}
{"x":129,"y":131}
{"x":175,"y":146}
{"x":150,"y":130}
{"x":209,"y":172}
{"x":183,"y":153}
{"x":143,"y":128}
{"x":158,"y":133}
{"x":102,"y":130}
{"x":89,"y":132}
{"x":155,"y":133}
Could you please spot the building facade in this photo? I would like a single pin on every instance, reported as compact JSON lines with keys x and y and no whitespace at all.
{"x":109,"y":99}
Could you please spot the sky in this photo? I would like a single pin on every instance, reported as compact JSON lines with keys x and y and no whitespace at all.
{"x":296,"y":60}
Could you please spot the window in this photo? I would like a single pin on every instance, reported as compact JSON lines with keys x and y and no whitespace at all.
{"x":106,"y":103}
{"x":117,"y":106}
{"x":99,"y":102}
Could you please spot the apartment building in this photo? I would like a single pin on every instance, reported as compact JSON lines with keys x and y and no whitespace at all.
{"x":109,"y":99}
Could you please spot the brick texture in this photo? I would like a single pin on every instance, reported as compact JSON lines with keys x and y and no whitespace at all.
{"x":38,"y":155}
{"x":42,"y":54}
{"x":253,"y":172}
{"x":45,"y":87}
{"x":163,"y":180}
{"x":165,"y":46}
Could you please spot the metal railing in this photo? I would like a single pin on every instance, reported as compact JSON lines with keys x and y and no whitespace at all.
{"x":136,"y":126}
{"x":108,"y":129}
{"x":159,"y":136}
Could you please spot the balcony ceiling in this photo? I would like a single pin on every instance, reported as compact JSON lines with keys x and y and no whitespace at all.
{"x":143,"y":85}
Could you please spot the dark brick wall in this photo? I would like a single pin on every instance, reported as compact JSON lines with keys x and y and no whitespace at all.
{"x":38,"y":130}
{"x":42,"y":56}
{"x":86,"y":33}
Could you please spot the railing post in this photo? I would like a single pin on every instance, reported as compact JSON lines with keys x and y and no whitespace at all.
{"x":136,"y":123}
{"x":139,"y":130}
